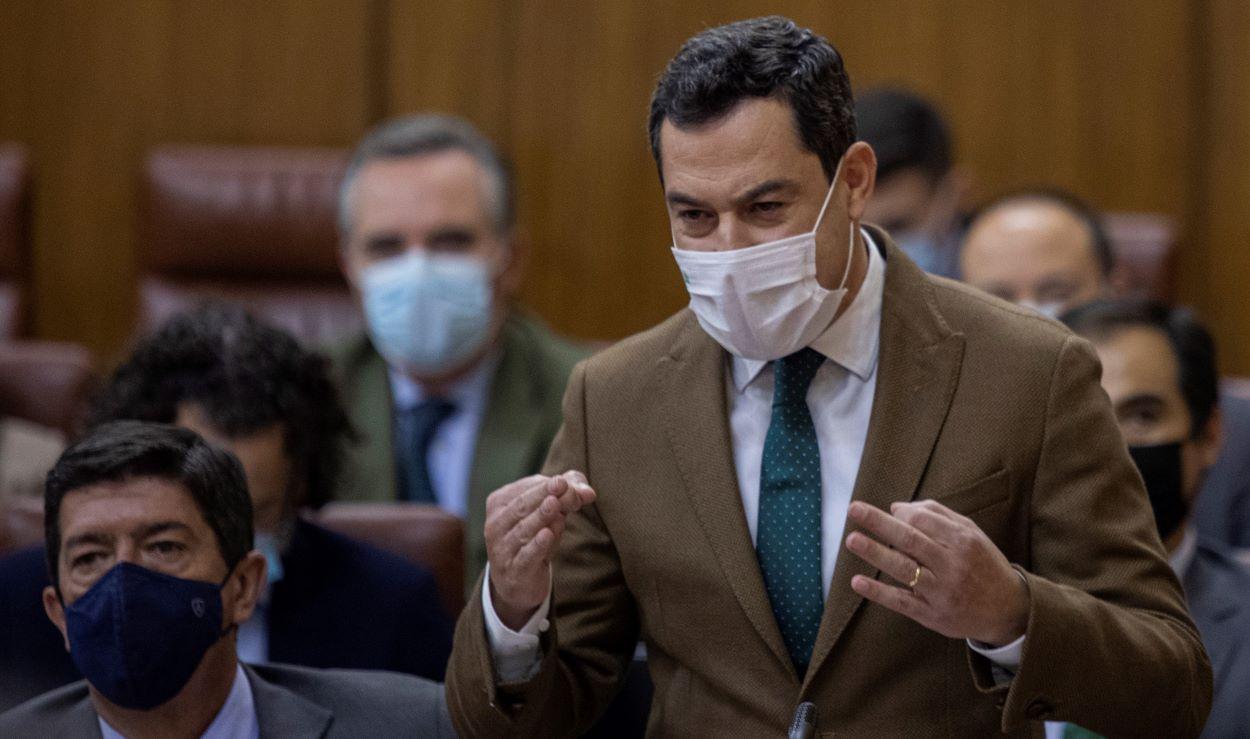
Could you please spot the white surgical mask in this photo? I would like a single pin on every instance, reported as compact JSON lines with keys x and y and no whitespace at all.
{"x":1053,"y":309}
{"x":764,"y":302}
{"x":427,"y":313}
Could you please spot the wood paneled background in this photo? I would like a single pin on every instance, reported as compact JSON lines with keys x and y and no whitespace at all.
{"x":1136,"y":106}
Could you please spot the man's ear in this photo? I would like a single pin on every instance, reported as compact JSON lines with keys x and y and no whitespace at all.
{"x":859,"y":172}
{"x":245,"y":586}
{"x":516,"y":258}
{"x":56,"y":613}
{"x":1211,"y":440}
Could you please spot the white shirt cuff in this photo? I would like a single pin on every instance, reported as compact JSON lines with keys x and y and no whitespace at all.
{"x":515,"y":653}
{"x":1006,"y":658}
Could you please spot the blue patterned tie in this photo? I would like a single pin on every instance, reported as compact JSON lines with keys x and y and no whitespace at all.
{"x":787,"y":539}
{"x":415,"y":429}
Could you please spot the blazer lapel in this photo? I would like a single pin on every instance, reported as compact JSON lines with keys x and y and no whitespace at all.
{"x":371,"y":461}
{"x":696,"y":422}
{"x":510,"y":442}
{"x":917,"y":370}
{"x":283,"y":713}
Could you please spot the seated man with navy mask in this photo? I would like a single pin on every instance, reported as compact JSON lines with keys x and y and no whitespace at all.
{"x":330,"y":601}
{"x":149,"y":541}
{"x":1159,"y":368}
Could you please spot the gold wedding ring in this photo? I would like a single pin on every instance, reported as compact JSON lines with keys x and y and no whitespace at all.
{"x":915,"y":578}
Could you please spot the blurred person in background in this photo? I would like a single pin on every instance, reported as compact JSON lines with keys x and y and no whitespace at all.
{"x":454,"y":390}
{"x":329,"y":601}
{"x":920,"y":193}
{"x":27,"y":451}
{"x":1041,"y":249}
{"x":1159,"y":368}
{"x":149,"y":543}
{"x":1048,"y":251}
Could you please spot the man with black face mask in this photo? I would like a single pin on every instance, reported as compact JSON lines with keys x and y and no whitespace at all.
{"x":1159,"y":369}
{"x":149,"y":543}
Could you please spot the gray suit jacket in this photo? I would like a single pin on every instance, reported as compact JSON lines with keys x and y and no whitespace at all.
{"x":1223,"y":509}
{"x":1218,"y":590}
{"x":290,"y":701}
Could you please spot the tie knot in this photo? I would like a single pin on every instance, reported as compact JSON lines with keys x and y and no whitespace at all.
{"x":794,"y":375}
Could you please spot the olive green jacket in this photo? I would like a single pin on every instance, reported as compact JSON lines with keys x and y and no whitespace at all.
{"x":522,"y":416}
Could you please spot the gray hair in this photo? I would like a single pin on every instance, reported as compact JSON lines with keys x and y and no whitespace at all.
{"x":429,"y":134}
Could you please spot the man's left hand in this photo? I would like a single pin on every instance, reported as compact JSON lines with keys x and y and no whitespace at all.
{"x":964,"y":588}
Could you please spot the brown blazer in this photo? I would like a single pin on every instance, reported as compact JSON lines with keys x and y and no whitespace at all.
{"x":992,"y":410}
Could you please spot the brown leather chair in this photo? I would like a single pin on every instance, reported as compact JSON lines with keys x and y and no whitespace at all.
{"x":21,"y":524}
{"x":15,"y":190}
{"x":46,"y":382}
{"x":1144,"y":246}
{"x":249,"y":225}
{"x":422,"y":534}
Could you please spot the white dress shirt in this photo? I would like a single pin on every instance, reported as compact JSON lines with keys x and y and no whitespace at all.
{"x":236,"y":719}
{"x":450,"y":458}
{"x":840,"y":399}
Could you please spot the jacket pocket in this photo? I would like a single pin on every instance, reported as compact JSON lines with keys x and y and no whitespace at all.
{"x":977,"y":496}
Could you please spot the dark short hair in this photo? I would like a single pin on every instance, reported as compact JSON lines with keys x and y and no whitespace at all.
{"x":1191,"y":343}
{"x":1100,"y":241}
{"x":759,"y":58}
{"x":419,"y":135}
{"x":126,"y":450}
{"x":905,"y":131}
{"x":246,"y":376}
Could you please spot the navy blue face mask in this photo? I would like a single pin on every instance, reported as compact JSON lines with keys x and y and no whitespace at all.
{"x":138,"y":635}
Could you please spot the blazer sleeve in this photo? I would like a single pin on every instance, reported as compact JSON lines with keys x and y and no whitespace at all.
{"x":594,"y":622}
{"x":1110,"y":645}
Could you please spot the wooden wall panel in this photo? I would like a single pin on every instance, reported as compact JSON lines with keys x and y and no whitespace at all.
{"x":91,"y":86}
{"x":1220,"y":263}
{"x":1129,"y":104}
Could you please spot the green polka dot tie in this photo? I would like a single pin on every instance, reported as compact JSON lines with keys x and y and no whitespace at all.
{"x":787,"y":539}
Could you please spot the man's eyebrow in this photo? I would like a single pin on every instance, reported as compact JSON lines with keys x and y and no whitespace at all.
{"x":677,"y":197}
{"x":1141,"y":399}
{"x":152,"y":529}
{"x":765,"y":188}
{"x":681,"y":198}
{"x":88,"y":538}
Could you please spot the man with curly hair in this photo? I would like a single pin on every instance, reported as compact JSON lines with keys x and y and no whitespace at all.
{"x":252,"y":389}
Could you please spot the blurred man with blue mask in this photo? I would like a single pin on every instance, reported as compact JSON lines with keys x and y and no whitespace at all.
{"x":1042,"y":249}
{"x":149,"y":543}
{"x":921,"y":192}
{"x":454,"y":389}
{"x":1159,"y":368}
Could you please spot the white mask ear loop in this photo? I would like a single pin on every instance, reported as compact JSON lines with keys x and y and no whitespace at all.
{"x":850,"y":249}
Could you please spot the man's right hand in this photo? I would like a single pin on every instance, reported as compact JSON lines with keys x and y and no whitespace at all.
{"x":524,"y":521}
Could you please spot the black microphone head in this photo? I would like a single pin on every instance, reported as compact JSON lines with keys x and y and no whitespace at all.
{"x":804,"y":724}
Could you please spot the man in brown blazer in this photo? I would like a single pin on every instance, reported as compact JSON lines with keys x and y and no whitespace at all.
{"x":831,"y":479}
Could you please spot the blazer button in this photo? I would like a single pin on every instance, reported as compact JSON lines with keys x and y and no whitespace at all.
{"x":1039,"y":708}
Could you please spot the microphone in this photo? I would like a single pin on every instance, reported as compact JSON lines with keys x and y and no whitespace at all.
{"x":804,"y":724}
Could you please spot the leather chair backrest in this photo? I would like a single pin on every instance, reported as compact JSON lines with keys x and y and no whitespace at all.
{"x":48,"y":383}
{"x":251,"y":225}
{"x":425,"y":535}
{"x":15,"y":196}
{"x":1144,"y":246}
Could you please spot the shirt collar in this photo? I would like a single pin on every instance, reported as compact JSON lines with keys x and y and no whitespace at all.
{"x":237,"y":717}
{"x":467,"y":392}
{"x":1183,"y":556}
{"x":853,"y":339}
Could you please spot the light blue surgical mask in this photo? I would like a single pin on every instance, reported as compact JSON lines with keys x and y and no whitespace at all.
{"x":931,"y":253}
{"x":428,"y":313}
